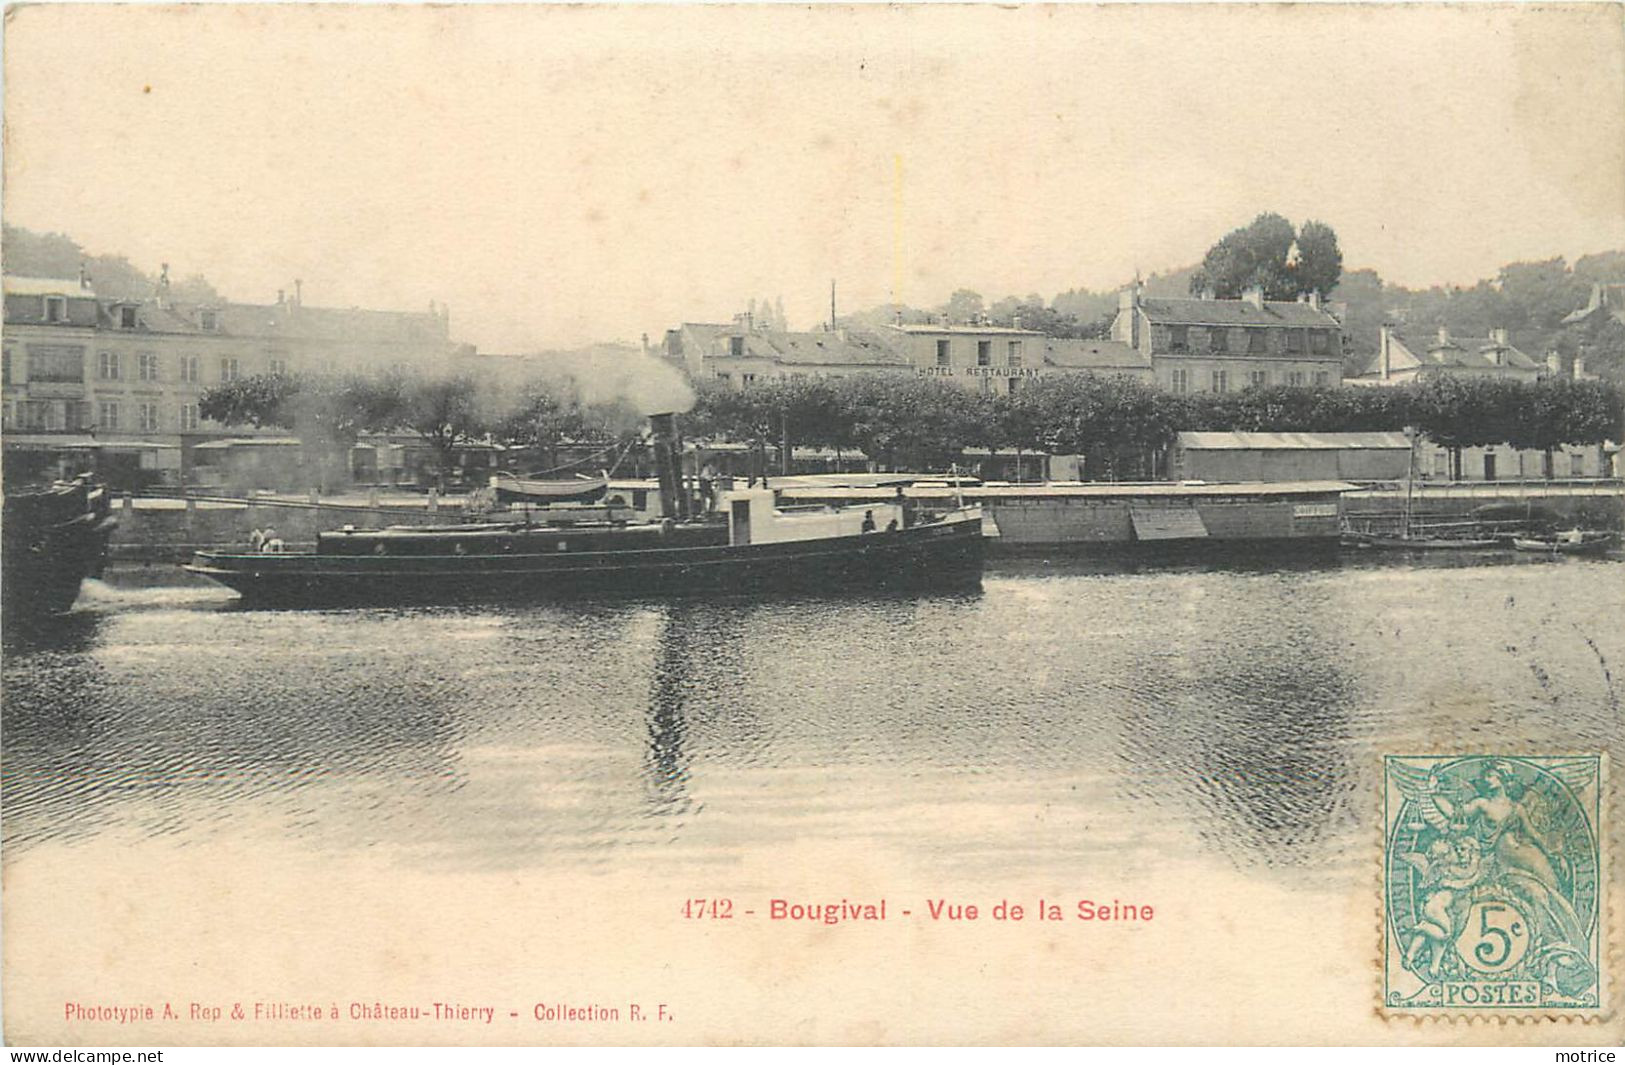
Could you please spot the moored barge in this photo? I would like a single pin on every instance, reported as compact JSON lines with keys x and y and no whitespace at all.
{"x":53,"y":538}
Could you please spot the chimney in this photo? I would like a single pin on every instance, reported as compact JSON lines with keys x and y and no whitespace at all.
{"x":1554,"y":364}
{"x":1385,"y":354}
{"x":899,"y":320}
{"x":162,"y":292}
{"x":1015,"y":320}
{"x":1498,"y":337}
{"x":281,"y":297}
{"x":646,"y":343}
{"x":1444,"y":336}
{"x":668,"y":454}
{"x":298,"y":293}
{"x":1253,"y":294}
{"x":84,"y":278}
{"x":1580,"y":368}
{"x":1128,"y":304}
{"x":945,"y":320}
{"x":1314,"y":299}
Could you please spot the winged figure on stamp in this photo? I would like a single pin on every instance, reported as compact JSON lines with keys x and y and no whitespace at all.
{"x":1495,"y":840}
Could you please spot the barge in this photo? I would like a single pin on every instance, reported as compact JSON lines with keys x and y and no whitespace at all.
{"x":53,"y":538}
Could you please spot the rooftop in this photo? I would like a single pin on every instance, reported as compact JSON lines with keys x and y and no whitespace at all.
{"x":1171,"y":311}
{"x":1207,"y":441}
{"x":16,"y":285}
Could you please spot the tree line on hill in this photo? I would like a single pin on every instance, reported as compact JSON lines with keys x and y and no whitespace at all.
{"x":31,"y":254}
{"x":910,"y":423}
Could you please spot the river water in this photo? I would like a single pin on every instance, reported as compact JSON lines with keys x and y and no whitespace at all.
{"x":510,"y":804}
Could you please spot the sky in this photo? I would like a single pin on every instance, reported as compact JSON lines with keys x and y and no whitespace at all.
{"x":560,"y":175}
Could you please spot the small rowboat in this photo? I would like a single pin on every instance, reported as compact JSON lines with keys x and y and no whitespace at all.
{"x":1576,"y":543}
{"x":512,"y":489}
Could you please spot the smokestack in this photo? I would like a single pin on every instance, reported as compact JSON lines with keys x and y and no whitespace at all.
{"x":298,"y":292}
{"x":668,"y":456}
{"x":1385,"y":355}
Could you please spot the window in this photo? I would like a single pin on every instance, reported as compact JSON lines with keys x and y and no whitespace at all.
{"x":1323,"y":378}
{"x":1179,"y":338}
{"x":107,"y":416}
{"x":1218,"y":339}
{"x":1180,"y":382}
{"x":126,"y":317}
{"x":107,"y":366}
{"x":146,"y":366}
{"x":1014,"y":353}
{"x":726,"y":379}
{"x":987,"y":385}
{"x":189,"y":371}
{"x":78,"y":414}
{"x":188,"y":420}
{"x":56,"y":363}
{"x":1294,"y":341}
{"x":279,"y":366}
{"x":736,"y":347}
{"x":943,"y":356}
{"x":1256,"y":342}
{"x":229,"y":370}
{"x":56,"y":308}
{"x":1295,"y":378}
{"x":147,"y":415}
{"x":1014,"y":384}
{"x":746,"y":380}
{"x":5,"y":366}
{"x":209,"y":320}
{"x":1258,"y":378}
{"x":36,"y":413}
{"x":1440,"y":469}
{"x":1318,"y":340}
{"x":1577,"y":464}
{"x":1221,"y":381}
{"x":984,"y":353}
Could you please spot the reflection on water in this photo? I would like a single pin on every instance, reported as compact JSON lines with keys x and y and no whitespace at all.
{"x":1070,"y":711}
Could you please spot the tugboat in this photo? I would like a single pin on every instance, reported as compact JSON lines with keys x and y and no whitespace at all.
{"x":53,"y":538}
{"x":749,"y":544}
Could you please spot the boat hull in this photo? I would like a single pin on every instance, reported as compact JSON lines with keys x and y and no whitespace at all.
{"x":947,"y":554}
{"x":1594,"y":546}
{"x":53,"y":540}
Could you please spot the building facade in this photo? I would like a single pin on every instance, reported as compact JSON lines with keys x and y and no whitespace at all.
{"x":978,"y":357}
{"x":1399,"y":361}
{"x":1210,"y":345}
{"x":741,"y":354}
{"x":991,"y":359}
{"x":122,"y":379}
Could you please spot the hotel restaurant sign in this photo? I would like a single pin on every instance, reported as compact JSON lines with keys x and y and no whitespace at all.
{"x":978,"y":371}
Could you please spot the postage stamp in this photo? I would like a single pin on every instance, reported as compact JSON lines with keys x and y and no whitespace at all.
{"x":1493,"y":885}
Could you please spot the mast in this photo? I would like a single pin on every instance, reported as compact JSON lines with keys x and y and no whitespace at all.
{"x":1410,"y":478}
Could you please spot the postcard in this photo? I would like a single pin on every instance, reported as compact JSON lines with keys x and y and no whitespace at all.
{"x":586,"y":525}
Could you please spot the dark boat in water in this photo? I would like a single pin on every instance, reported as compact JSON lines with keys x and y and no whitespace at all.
{"x":748,"y":544}
{"x":53,"y":538}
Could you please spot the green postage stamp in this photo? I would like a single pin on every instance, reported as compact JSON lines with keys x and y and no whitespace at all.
{"x":1494,"y":882}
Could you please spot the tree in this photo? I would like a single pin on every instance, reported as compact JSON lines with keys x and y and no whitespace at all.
{"x":1260,"y":253}
{"x":963,"y":306}
{"x":1256,"y":254}
{"x":1319,"y":266}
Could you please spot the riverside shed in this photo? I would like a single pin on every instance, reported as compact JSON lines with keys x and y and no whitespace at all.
{"x":1199,"y":456}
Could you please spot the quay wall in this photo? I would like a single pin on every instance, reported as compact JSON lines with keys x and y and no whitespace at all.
{"x":1591,"y":505}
